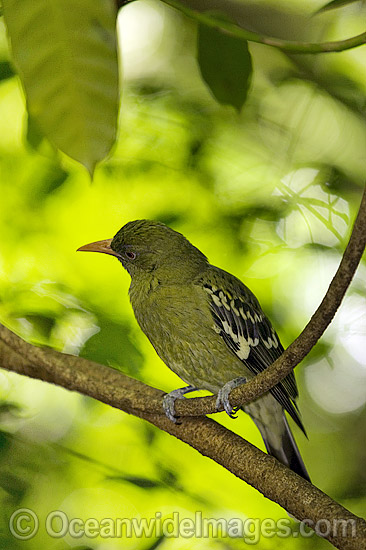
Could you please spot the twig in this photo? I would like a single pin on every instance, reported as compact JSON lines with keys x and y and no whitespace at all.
{"x":215,"y":21}
{"x":298,"y":350}
{"x":295,"y":353}
{"x":317,"y":325}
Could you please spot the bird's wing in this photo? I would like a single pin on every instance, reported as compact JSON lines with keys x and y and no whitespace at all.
{"x":247,"y":332}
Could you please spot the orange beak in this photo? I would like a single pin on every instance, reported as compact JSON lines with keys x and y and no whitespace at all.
{"x":98,"y":246}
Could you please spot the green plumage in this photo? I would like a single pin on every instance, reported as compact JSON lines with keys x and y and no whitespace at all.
{"x":205,"y":324}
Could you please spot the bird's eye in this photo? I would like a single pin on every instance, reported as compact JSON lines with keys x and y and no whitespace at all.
{"x":130,"y":255}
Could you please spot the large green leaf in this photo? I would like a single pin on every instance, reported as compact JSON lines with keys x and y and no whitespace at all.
{"x":225,"y":65}
{"x":66,"y":54}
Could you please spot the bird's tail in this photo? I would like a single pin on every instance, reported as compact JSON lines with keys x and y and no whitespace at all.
{"x":287,"y":451}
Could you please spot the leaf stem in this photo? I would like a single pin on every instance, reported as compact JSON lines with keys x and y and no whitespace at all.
{"x":213,"y":20}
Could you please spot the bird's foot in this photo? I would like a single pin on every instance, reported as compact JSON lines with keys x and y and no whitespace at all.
{"x":170,"y":398}
{"x":223,"y":396}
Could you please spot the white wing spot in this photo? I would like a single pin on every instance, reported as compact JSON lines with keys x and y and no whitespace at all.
{"x":228,"y":330}
{"x":224,"y":300}
{"x":274,"y":340}
{"x":244,"y":350}
{"x":252,"y":342}
{"x":244,"y":347}
{"x":216,"y":300}
{"x":242,"y":313}
{"x":249,"y":316}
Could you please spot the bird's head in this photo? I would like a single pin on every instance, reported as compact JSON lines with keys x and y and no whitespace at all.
{"x":147,"y":246}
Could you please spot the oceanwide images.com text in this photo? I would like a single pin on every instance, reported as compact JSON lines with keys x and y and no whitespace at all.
{"x":24,"y":524}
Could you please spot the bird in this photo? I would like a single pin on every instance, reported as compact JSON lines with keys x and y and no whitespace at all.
{"x":207,"y":327}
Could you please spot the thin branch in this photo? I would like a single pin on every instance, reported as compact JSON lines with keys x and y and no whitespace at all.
{"x":304,"y":343}
{"x":215,"y":21}
{"x":293,"y":355}
{"x":298,"y":350}
{"x":317,"y":325}
{"x":275,"y":481}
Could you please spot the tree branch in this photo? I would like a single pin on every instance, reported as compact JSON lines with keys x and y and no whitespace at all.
{"x":303,"y":344}
{"x":296,"y":352}
{"x":317,"y":325}
{"x":266,"y":474}
{"x":215,"y":21}
{"x":263,"y":472}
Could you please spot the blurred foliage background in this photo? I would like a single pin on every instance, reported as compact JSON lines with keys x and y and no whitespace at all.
{"x":269,"y":195}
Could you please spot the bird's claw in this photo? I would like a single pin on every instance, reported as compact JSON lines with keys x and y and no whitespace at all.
{"x":169,"y":406}
{"x":170,"y":398}
{"x":223,"y":396}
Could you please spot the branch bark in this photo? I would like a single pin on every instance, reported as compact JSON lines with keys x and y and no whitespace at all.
{"x":303,"y":344}
{"x":266,"y":474}
{"x":293,"y":355}
{"x":272,"y":479}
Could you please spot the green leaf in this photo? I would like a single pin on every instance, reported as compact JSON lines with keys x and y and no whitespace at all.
{"x":4,"y":442}
{"x":142,"y":482}
{"x":113,"y":346}
{"x":37,"y":140}
{"x":42,"y":324}
{"x":13,"y":485}
{"x":6,"y":70}
{"x":156,"y":543}
{"x":66,"y":56}
{"x":225,"y":64}
{"x":7,"y":407}
{"x":335,"y":4}
{"x":34,"y":136}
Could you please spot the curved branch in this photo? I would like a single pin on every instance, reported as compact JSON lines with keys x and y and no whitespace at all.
{"x":317,"y":325}
{"x":264,"y":381}
{"x":266,"y":474}
{"x":214,"y":20}
{"x":296,"y":352}
{"x":303,"y":344}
